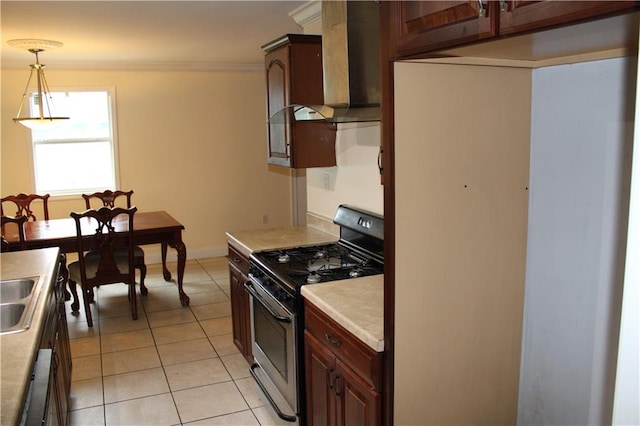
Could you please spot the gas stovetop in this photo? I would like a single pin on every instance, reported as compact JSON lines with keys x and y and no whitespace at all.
{"x":315,"y":264}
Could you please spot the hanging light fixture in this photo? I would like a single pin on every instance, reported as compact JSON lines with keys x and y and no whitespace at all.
{"x":43,"y":99}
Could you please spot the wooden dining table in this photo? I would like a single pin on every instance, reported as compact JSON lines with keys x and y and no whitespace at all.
{"x":157,"y":227}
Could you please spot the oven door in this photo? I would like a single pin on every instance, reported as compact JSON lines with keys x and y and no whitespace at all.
{"x":274,"y":349}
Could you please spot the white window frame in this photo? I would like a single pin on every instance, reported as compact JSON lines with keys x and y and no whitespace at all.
{"x":111,"y":93}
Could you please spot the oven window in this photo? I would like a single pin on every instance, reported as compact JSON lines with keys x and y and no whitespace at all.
{"x":271,"y":336}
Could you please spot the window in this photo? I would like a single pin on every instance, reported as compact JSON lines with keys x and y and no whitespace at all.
{"x":78,"y":155}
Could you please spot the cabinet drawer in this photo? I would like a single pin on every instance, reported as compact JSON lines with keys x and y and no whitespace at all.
{"x":349,"y":349}
{"x":238,"y":260}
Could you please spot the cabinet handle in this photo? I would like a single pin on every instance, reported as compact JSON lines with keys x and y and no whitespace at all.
{"x":334,"y":342}
{"x":236,"y":260}
{"x":55,"y":361}
{"x":329,"y":381}
{"x":482,"y":12}
{"x":336,"y":390}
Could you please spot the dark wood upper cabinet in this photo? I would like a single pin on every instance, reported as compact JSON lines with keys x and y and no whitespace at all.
{"x":294,"y":77}
{"x":421,"y":27}
{"x":518,"y":16}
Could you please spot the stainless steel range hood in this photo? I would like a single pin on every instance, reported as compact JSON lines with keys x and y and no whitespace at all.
{"x":351,"y":66}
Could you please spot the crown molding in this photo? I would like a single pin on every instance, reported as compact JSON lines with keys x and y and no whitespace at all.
{"x":142,"y":66}
{"x":307,"y":13}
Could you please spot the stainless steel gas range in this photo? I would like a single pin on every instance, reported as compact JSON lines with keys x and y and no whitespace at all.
{"x":277,"y":315}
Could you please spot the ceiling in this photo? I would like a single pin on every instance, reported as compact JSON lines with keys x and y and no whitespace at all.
{"x":177,"y":35}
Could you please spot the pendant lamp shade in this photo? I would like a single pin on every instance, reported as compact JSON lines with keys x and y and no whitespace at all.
{"x":45,"y":117}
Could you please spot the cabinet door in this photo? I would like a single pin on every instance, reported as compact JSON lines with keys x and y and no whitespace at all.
{"x":320,"y":375}
{"x":63,"y":347}
{"x":278,"y":95}
{"x":526,"y":15}
{"x":240,"y":314}
{"x":60,"y":382}
{"x":294,"y":77}
{"x":62,"y":365}
{"x":359,"y":403}
{"x":422,"y":26}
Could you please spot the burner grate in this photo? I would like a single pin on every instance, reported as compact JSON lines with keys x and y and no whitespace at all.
{"x":314,"y":264}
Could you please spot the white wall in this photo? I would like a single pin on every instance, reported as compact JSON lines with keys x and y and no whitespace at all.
{"x":580,"y":144}
{"x":356,"y":178}
{"x":626,"y":405}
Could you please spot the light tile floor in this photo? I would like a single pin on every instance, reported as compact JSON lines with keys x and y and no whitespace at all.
{"x":174,"y":365}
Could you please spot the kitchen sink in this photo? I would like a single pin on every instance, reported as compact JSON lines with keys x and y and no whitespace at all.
{"x":12,"y":290}
{"x":10,"y":315}
{"x":18,"y":299}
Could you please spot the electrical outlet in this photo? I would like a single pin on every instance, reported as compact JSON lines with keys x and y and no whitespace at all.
{"x":265,"y":219}
{"x":325,"y":181}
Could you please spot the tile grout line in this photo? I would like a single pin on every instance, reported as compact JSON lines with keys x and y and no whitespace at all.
{"x":164,"y":371}
{"x":145,"y":307}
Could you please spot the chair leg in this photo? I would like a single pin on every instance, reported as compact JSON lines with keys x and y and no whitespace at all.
{"x":132,"y":300}
{"x":143,"y":275}
{"x":75,"y":305}
{"x":86,"y":294}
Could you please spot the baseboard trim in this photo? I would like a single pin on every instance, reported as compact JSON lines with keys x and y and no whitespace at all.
{"x":153,"y":253}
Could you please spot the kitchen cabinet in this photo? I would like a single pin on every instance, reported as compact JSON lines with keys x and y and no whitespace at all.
{"x":422,"y":26}
{"x":418,"y":27}
{"x":56,"y":337}
{"x":474,"y":268}
{"x":342,"y":374}
{"x":294,"y":77}
{"x":240,"y":311}
{"x":517,"y":16}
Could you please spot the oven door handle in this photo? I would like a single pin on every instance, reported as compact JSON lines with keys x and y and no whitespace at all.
{"x":249,"y":286}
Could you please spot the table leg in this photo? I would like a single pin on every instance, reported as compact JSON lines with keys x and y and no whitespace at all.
{"x":181,"y":250}
{"x":182,"y":260}
{"x":165,"y":272}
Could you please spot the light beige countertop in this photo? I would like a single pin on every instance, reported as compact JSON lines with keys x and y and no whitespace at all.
{"x":356,"y":304}
{"x":277,"y":238}
{"x":18,"y":350}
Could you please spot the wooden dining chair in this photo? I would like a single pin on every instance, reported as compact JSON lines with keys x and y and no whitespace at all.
{"x":104,"y":264}
{"x":19,"y":222}
{"x":23,"y":202}
{"x":110,"y":198}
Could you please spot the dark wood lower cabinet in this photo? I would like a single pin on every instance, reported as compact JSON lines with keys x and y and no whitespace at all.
{"x":359,"y":403}
{"x":56,"y":338}
{"x":342,"y":375}
{"x":240,"y":310}
{"x":320,"y":365}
